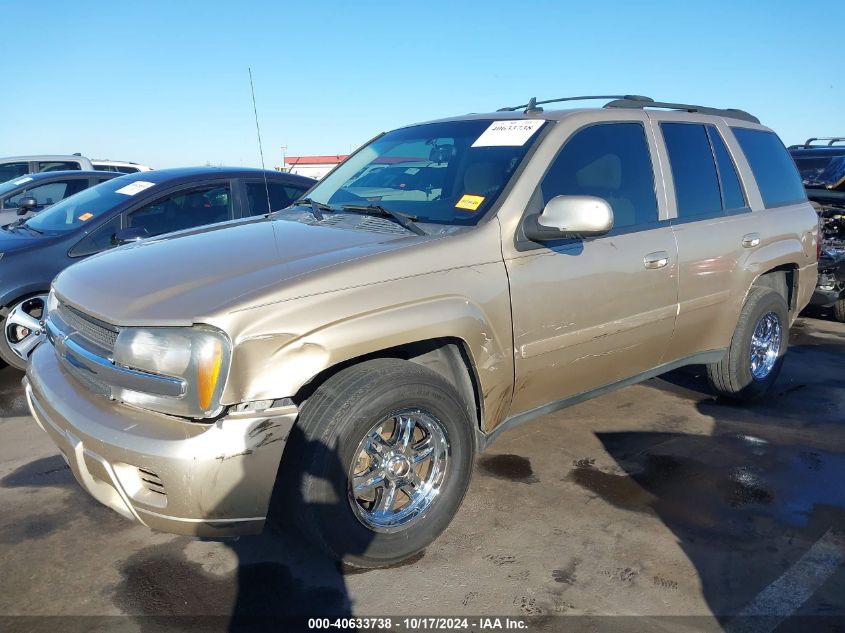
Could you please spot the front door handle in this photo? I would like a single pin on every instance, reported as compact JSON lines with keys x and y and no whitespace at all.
{"x":656,"y":260}
{"x":750,"y":240}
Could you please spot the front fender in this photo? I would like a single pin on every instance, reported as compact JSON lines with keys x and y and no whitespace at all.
{"x":12,"y":295}
{"x":270,"y":362}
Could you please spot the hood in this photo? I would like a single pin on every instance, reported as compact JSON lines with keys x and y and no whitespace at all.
{"x":21,"y":240}
{"x":181,"y":279}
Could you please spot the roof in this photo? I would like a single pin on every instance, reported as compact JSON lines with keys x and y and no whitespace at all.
{"x":66,"y":173}
{"x":799,"y":151}
{"x":316,"y":160}
{"x":44,"y":157}
{"x":177,"y":174}
{"x":614,"y":104}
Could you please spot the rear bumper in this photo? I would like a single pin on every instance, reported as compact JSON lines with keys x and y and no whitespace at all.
{"x":211,"y":480}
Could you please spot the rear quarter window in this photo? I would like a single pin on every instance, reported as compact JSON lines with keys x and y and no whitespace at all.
{"x":772,"y":166}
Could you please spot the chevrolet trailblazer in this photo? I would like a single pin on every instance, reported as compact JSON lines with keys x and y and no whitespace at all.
{"x":352,"y":354}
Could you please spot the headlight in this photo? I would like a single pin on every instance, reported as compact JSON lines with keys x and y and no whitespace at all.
{"x":197,"y":355}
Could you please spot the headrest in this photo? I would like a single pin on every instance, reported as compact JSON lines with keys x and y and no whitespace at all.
{"x":482,"y":177}
{"x":441,"y":153}
{"x":602,"y":173}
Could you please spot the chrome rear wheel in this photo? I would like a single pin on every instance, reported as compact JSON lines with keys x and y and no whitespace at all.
{"x":765,"y":345}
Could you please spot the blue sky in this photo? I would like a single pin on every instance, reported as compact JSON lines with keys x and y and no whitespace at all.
{"x":166,"y":83}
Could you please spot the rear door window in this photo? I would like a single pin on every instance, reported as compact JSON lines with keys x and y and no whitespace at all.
{"x":732,"y":195}
{"x":280,"y":196}
{"x":772,"y":166}
{"x":693,"y":170}
{"x":609,"y":161}
{"x":58,"y":165}
{"x":13,"y":170}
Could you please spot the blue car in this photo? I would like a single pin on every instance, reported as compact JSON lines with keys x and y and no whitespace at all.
{"x":121,"y":210}
{"x":26,"y":195}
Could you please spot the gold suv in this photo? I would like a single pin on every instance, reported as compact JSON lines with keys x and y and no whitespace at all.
{"x":349,"y":355}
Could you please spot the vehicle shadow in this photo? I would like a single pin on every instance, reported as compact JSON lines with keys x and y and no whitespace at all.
{"x":758,"y":497}
{"x":12,"y":399}
{"x":273,"y":581}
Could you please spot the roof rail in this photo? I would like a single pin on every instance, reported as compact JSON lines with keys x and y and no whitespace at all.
{"x":830,"y":139}
{"x":726,"y":112}
{"x":532,"y":105}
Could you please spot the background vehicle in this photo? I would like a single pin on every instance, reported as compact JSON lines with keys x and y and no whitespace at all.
{"x":379,"y":346}
{"x":16,"y":166}
{"x":43,"y":189}
{"x":822,"y":169}
{"x":124,"y":209}
{"x":121,"y":167}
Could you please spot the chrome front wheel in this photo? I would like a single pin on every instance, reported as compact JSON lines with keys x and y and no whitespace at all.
{"x":765,"y":345}
{"x":23,"y":328}
{"x":398,"y":469}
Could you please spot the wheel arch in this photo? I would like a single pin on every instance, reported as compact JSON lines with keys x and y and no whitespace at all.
{"x":11,"y":297}
{"x":783,"y":279}
{"x":449,"y":357}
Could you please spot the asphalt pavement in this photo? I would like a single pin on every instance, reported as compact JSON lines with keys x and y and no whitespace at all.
{"x":656,"y":503}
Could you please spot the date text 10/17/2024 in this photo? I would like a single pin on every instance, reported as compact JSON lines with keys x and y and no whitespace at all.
{"x":419,"y":624}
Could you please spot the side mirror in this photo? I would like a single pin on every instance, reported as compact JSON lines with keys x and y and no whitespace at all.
{"x":131,"y":234}
{"x":25,"y":205}
{"x":570,"y":217}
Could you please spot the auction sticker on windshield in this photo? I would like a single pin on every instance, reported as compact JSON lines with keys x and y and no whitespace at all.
{"x":135,"y":187}
{"x":508,"y":133}
{"x":469,"y":202}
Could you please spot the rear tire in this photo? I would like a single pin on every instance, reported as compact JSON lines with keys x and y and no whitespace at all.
{"x":334,"y":444}
{"x":839,"y":310}
{"x":754,"y":358}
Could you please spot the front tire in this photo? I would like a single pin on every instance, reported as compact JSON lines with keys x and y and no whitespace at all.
{"x":22,"y":329}
{"x":839,"y":310}
{"x":380,"y":460}
{"x":755,"y":356}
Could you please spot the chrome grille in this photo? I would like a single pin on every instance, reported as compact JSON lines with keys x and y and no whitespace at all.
{"x":95,"y":385}
{"x":96,"y":331}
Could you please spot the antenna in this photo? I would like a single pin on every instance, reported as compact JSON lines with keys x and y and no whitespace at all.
{"x":260,"y":148}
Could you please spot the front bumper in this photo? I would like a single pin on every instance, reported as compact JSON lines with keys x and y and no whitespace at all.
{"x":824,"y":298}
{"x":174,"y":475}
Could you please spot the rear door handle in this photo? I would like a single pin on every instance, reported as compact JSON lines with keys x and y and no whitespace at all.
{"x":750,"y":240}
{"x":656,"y":260}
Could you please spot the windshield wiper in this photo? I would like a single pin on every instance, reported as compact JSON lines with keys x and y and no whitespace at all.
{"x":317,"y":208}
{"x":29,"y":228}
{"x":402,"y":219}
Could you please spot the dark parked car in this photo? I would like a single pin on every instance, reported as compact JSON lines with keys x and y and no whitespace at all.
{"x":28,"y":194}
{"x":124,"y":209}
{"x":821,"y":162}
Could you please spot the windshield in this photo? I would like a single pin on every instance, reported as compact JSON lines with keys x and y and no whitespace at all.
{"x":80,"y":209}
{"x":448,"y":173}
{"x":822,"y":171}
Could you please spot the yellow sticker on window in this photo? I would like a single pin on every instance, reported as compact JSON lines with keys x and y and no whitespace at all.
{"x":86,"y":216}
{"x":470,"y":203}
